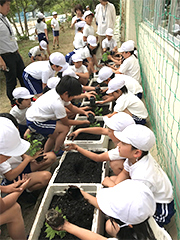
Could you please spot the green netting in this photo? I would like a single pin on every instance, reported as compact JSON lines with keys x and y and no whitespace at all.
{"x":158,"y":42}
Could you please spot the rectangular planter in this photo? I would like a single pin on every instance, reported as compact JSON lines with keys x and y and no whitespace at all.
{"x":58,"y":189}
{"x":107,"y":107}
{"x":102,"y":142}
{"x":91,"y":167}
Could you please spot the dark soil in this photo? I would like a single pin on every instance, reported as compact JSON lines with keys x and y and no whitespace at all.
{"x":78,"y":212}
{"x":87,"y":136}
{"x":104,"y":107}
{"x":76,"y":168}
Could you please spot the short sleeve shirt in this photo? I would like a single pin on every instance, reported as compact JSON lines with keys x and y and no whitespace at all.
{"x":40,"y":27}
{"x":55,"y":23}
{"x":40,"y":70}
{"x":19,"y":114}
{"x":132,"y":103}
{"x":35,"y":51}
{"x":88,"y":30}
{"x":9,"y":164}
{"x":82,"y":69}
{"x":114,"y":154}
{"x":109,"y":44}
{"x":83,"y":52}
{"x":49,"y":106}
{"x":78,"y":41}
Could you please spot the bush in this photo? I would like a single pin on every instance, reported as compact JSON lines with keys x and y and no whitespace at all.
{"x":23,"y":37}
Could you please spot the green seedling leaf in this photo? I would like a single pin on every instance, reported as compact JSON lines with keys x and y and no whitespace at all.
{"x":34,"y":147}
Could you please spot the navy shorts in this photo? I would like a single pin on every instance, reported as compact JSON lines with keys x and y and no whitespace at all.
{"x":42,"y":36}
{"x":164,"y":213}
{"x":55,"y":33}
{"x":32,"y":84}
{"x":26,"y":170}
{"x":139,"y":120}
{"x":44,"y":128}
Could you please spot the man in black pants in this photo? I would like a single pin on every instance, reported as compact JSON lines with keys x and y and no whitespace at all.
{"x":10,"y":60}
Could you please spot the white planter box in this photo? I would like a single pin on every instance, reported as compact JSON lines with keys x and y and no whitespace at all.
{"x":87,"y":103}
{"x":58,"y":189}
{"x":105,"y":167}
{"x":101,"y":143}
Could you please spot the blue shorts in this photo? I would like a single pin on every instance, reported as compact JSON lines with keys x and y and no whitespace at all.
{"x":55,"y":33}
{"x":26,"y":170}
{"x":32,"y":84}
{"x":139,"y":120}
{"x":164,"y":213}
{"x":42,"y":36}
{"x":68,"y":57}
{"x":45,"y":128}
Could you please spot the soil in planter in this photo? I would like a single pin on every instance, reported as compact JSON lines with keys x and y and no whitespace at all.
{"x":104,"y":107}
{"x":78,"y":212}
{"x":76,"y":168}
{"x":87,"y":136}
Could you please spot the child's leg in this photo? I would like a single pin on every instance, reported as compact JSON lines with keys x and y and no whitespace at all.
{"x":38,"y":180}
{"x":112,"y":230}
{"x":117,"y":166}
{"x":15,"y":223}
{"x":57,"y":138}
{"x":49,"y":158}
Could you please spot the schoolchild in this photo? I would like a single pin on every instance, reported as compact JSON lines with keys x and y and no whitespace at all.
{"x":79,"y":69}
{"x":78,"y":38}
{"x":88,"y":28}
{"x":129,"y":205}
{"x":130,"y":65}
{"x":109,"y":44}
{"x":135,"y":144}
{"x":35,"y":52}
{"x":118,"y":121}
{"x":55,"y":28}
{"x":20,"y":163}
{"x":78,"y":9}
{"x":23,"y":101}
{"x":41,"y":30}
{"x":127,"y":102}
{"x":48,"y":115}
{"x":36,"y":74}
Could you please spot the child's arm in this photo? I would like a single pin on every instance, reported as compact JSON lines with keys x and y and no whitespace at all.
{"x":111,"y":114}
{"x":108,"y":99}
{"x":46,"y":33}
{"x":85,"y":95}
{"x":91,"y":199}
{"x":82,"y":75}
{"x":108,"y":182}
{"x":76,"y":110}
{"x":94,"y":156}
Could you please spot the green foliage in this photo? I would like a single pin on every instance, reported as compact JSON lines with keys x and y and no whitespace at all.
{"x":24,"y":37}
{"x":105,"y":56}
{"x":51,"y":232}
{"x":99,"y":97}
{"x":98,"y":111}
{"x":34,"y":147}
{"x":49,"y":25}
{"x":95,"y":124}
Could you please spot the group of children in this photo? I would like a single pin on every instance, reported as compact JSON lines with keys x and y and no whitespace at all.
{"x":138,"y":189}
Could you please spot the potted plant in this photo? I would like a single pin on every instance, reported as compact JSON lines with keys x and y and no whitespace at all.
{"x":35,"y":146}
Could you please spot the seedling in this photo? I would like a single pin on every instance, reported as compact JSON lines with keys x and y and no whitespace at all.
{"x":95,"y":124}
{"x":105,"y":56}
{"x":34,"y":147}
{"x":54,"y":218}
{"x":98,"y":111}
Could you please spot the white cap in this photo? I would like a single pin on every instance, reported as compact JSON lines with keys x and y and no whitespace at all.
{"x":92,"y":40}
{"x":87,"y":13}
{"x":119,"y":121}
{"x":21,"y":92}
{"x":58,"y":59}
{"x":76,"y":58}
{"x":109,"y":32}
{"x":53,"y":82}
{"x":114,"y":85}
{"x":80,"y":24}
{"x":69,"y":72}
{"x":40,"y":15}
{"x":54,"y":13}
{"x":130,"y":201}
{"x":127,"y":46}
{"x":104,"y":74}
{"x":11,"y":144}
{"x":139,"y":136}
{"x":43,"y":44}
{"x":175,"y":28}
{"x":87,"y":6}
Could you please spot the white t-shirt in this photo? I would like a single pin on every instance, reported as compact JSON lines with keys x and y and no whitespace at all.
{"x":40,"y":70}
{"x":40,"y":27}
{"x":149,"y":172}
{"x":49,"y":106}
{"x":114,"y":154}
{"x":83,"y":52}
{"x":109,"y":44}
{"x":132,"y":103}
{"x":78,"y":40}
{"x":73,"y":20}
{"x":19,"y":114}
{"x":55,"y":23}
{"x":105,"y":17}
{"x":82,"y":69}
{"x":131,"y":67}
{"x":131,"y":83}
{"x":35,"y":51}
{"x":88,"y":30}
{"x":9,"y":164}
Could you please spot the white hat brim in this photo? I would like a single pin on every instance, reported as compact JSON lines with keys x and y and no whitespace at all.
{"x":20,"y":149}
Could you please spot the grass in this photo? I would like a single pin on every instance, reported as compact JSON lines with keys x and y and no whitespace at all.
{"x":65,"y":43}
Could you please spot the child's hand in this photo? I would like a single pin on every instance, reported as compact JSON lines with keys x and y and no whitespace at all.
{"x":100,"y":102}
{"x":73,"y":135}
{"x":90,"y":94}
{"x":87,"y":113}
{"x":107,"y":182}
{"x":71,"y":146}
